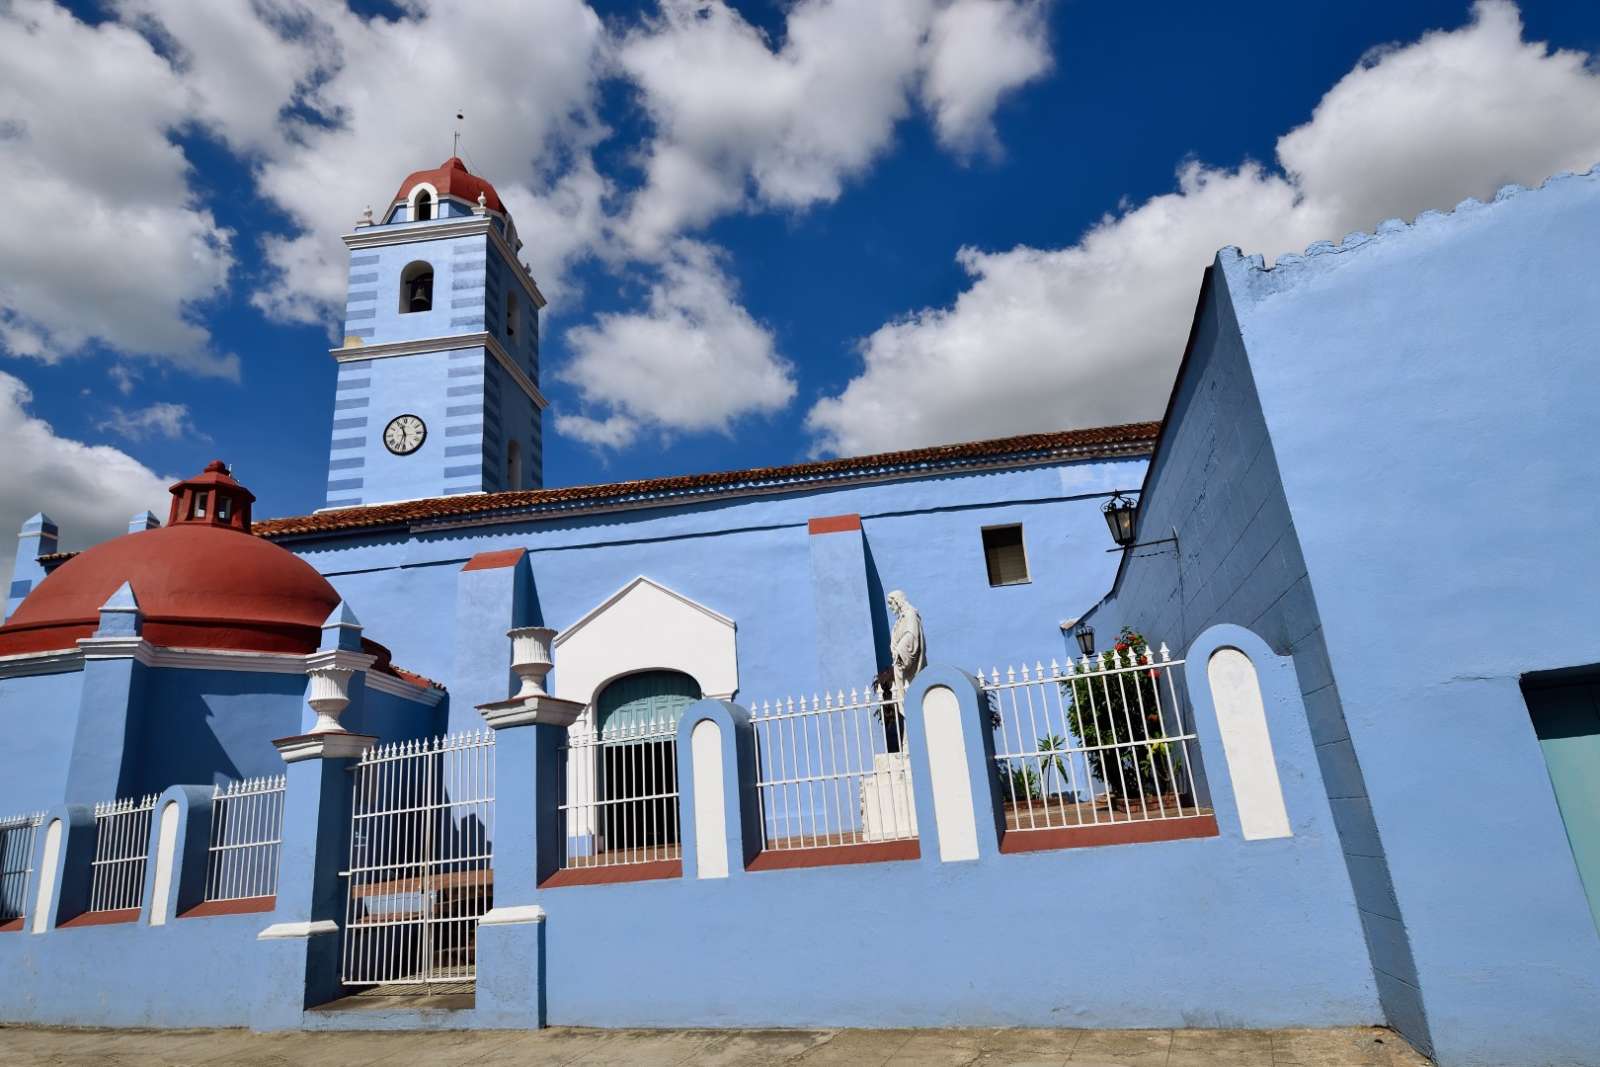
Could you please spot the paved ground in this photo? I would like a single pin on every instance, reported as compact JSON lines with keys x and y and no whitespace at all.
{"x":722,"y":1048}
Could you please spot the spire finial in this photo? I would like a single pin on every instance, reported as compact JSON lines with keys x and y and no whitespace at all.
{"x":455,"y":146}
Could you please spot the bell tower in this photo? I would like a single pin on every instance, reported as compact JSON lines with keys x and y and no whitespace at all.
{"x":438,"y":382}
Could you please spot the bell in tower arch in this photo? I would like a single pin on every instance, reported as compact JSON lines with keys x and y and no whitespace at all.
{"x":422,"y":293}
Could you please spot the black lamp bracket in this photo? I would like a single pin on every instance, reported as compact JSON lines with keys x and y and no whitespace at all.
{"x":1173,"y":540}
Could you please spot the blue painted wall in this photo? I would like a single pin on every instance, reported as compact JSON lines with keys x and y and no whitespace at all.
{"x":750,"y":559}
{"x":1215,"y":481}
{"x":1429,"y":395}
{"x":38,"y":718}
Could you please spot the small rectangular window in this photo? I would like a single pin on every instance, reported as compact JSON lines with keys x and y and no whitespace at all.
{"x":197,"y":510}
{"x":1003,"y":552}
{"x":224,"y":508}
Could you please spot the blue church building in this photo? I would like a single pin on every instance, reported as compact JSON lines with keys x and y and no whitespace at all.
{"x":1281,"y":711}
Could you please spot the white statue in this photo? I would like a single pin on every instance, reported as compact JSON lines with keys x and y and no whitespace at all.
{"x":907,"y":648}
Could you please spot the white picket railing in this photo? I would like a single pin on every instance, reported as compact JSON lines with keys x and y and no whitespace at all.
{"x":16,"y":862}
{"x":246,"y":836}
{"x":1101,"y":740}
{"x":833,"y":770}
{"x":621,"y":804}
{"x":421,"y":840}
{"x":121,"y":850}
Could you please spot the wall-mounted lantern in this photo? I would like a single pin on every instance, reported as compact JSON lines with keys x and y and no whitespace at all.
{"x":1084,"y":633}
{"x":1121,"y":515}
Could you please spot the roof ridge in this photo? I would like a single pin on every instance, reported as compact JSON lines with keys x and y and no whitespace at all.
{"x":1125,"y":436}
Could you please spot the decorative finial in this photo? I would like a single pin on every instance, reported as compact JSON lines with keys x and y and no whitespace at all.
{"x":483,"y":203}
{"x":366,"y":217}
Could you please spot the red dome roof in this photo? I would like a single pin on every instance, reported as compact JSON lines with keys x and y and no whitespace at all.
{"x":451,"y":178}
{"x":198,"y":586}
{"x":203,"y":581}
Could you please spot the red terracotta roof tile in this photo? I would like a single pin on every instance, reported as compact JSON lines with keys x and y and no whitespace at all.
{"x":1130,"y":439}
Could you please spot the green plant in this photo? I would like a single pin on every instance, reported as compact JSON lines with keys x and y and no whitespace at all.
{"x":1020,"y":784}
{"x":1116,"y":712}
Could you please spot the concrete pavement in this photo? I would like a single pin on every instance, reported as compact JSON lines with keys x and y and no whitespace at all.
{"x":719,"y":1048}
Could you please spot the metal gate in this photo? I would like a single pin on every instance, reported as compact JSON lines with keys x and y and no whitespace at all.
{"x":421,"y":833}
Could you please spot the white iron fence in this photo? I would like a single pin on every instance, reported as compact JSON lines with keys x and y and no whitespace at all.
{"x":246,"y":835}
{"x":1102,"y":740}
{"x":16,"y":862}
{"x":621,"y":805}
{"x":421,"y":833}
{"x":833,"y":771}
{"x":121,"y":849}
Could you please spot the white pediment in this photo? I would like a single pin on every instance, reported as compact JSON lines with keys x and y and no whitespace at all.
{"x":646,"y":626}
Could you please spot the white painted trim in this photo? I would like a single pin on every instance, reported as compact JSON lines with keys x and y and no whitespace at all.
{"x":444,"y":229}
{"x":45,"y":899}
{"x":949,"y":778}
{"x":333,"y":744}
{"x":60,"y":661}
{"x":56,"y":661}
{"x":512,"y":916}
{"x":1247,"y":745}
{"x":289,"y":931}
{"x":529,"y":710}
{"x":710,"y":809}
{"x":611,"y":600}
{"x":166,"y":856}
{"x":481,"y":339}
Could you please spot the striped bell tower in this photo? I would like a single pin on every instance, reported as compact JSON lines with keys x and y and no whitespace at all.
{"x":438,"y":381}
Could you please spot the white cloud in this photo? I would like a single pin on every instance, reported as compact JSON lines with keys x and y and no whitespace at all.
{"x":111,"y":245}
{"x":1092,"y":333}
{"x":525,"y":76}
{"x":739,"y":123}
{"x":91,"y":491}
{"x":692,"y":360}
{"x":162,"y":419}
{"x":978,"y":51}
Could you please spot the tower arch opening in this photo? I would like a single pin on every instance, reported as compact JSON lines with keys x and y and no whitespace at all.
{"x":422,"y":206}
{"x":416,"y":287}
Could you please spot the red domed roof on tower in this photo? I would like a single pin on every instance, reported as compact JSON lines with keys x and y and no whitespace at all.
{"x":452,"y":178}
{"x":202,"y":581}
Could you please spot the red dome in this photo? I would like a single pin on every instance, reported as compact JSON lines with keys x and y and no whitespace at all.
{"x":452,"y":178}
{"x":198,"y":586}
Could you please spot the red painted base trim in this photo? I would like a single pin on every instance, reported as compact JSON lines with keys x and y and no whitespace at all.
{"x":242,"y":906}
{"x":622,"y":872}
{"x":9,"y":926}
{"x":103,"y":918}
{"x":834,"y":856}
{"x":1122,"y":833}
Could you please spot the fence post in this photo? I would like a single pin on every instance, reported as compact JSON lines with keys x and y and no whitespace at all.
{"x":63,"y":858}
{"x":180,"y":838}
{"x":952,"y":754}
{"x":529,"y":730}
{"x":300,"y":949}
{"x":718,"y":810}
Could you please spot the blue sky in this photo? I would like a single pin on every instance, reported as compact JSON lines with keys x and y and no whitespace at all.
{"x":750,"y":219}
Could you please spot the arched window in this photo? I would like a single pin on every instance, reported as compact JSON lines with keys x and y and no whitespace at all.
{"x":416,"y":287}
{"x":514,"y":465}
{"x":422,"y":209}
{"x":511,"y":314}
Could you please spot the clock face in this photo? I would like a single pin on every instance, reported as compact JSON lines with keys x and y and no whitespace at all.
{"x":404,"y":434}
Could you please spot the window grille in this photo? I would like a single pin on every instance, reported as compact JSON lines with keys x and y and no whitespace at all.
{"x":833,"y":771}
{"x":16,"y":862}
{"x":121,"y":850}
{"x":1102,"y":740}
{"x":246,"y":838}
{"x":621,"y":805}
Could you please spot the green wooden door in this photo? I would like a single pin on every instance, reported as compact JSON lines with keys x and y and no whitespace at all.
{"x":646,"y":703}
{"x":1567,"y":721}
